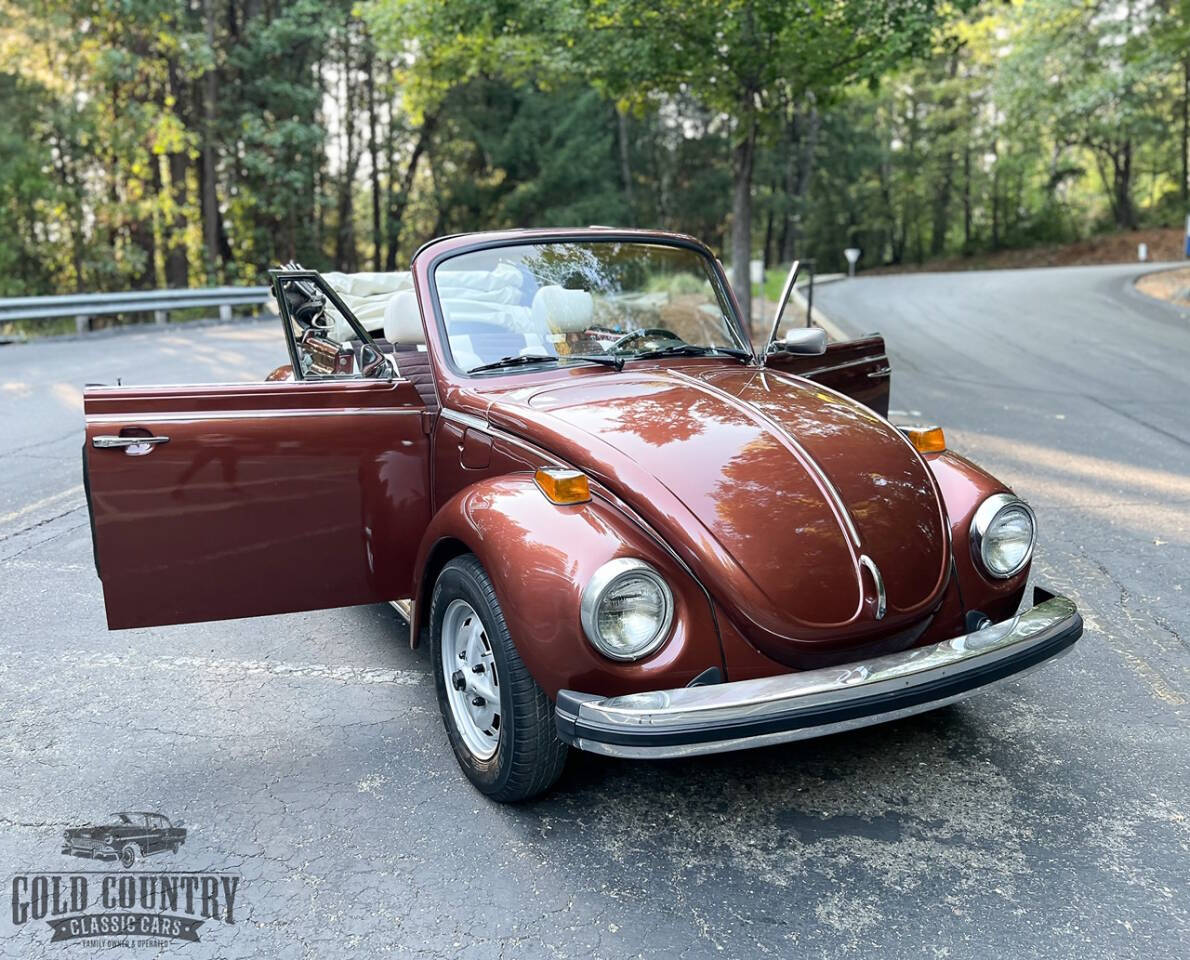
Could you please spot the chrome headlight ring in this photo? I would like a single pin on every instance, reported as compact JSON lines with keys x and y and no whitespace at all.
{"x":983,"y":523}
{"x":612,"y":574}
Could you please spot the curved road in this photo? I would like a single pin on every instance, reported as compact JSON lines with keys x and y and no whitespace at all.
{"x":1049,"y":818}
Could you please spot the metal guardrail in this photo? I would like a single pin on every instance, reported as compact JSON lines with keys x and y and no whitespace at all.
{"x":84,"y":306}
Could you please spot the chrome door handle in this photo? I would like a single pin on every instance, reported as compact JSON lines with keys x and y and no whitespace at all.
{"x":104,"y":443}
{"x":879,"y":373}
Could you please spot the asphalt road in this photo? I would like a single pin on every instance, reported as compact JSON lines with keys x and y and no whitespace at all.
{"x":1049,"y":818}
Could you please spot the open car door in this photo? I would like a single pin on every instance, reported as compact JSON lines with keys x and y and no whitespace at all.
{"x":210,"y":502}
{"x":234,"y":500}
{"x":857,"y":368}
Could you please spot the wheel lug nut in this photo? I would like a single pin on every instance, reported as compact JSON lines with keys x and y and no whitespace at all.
{"x":478,"y":668}
{"x":458,"y":680}
{"x":477,"y":701}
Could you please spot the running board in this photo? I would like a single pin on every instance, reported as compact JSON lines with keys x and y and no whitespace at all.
{"x":404,"y":608}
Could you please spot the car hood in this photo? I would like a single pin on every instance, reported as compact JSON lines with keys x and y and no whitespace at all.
{"x":771,"y":488}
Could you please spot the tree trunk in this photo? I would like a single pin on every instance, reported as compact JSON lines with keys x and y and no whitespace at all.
{"x":942,"y":208}
{"x":374,"y":155}
{"x":626,"y":165}
{"x":787,"y":241}
{"x":767,"y":253}
{"x":346,"y":254}
{"x":1185,"y":133}
{"x":210,"y":201}
{"x":743,"y":159}
{"x":177,"y":263}
{"x":1125,"y":212}
{"x":967,"y":199}
{"x":807,"y":142}
{"x":398,"y":200}
{"x":995,"y":196}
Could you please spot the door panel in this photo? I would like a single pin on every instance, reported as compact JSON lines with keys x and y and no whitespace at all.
{"x":265,"y":498}
{"x":857,"y":368}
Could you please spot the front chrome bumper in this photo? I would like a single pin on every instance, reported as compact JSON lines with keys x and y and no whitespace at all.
{"x":797,"y":706}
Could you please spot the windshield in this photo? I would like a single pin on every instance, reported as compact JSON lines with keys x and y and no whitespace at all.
{"x":548,"y":302}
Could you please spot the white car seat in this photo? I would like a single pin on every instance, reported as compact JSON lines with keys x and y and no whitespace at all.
{"x":402,"y":320}
{"x":558,"y":310}
{"x":366,"y":295}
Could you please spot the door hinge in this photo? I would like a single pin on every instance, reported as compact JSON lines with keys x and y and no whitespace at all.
{"x":427,"y":421}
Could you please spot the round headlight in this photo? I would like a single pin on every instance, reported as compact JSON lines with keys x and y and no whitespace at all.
{"x":626,"y":609}
{"x":1002,"y":533}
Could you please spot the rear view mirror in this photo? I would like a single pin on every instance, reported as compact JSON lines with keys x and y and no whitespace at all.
{"x":806,"y":341}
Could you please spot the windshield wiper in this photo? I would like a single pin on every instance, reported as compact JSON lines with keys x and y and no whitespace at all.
{"x":691,"y":350}
{"x":520,"y":359}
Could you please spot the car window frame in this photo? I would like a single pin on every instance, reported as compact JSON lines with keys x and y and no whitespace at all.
{"x":714,"y":271}
{"x":277,"y":277}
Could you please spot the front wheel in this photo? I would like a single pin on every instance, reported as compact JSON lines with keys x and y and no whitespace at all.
{"x":500,"y":723}
{"x":128,"y":854}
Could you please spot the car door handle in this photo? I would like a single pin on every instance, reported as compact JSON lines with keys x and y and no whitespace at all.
{"x":879,"y":373}
{"x":104,"y":443}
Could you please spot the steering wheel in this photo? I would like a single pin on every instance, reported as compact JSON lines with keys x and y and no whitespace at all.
{"x":646,"y":333}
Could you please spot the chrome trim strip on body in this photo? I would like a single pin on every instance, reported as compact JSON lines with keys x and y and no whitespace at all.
{"x":749,"y":713}
{"x":786,"y":439}
{"x":884,"y":371}
{"x":881,"y":597}
{"x":175,"y":416}
{"x":466,"y":419}
{"x":943,"y":516}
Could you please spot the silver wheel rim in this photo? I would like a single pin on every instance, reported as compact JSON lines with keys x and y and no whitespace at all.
{"x":472,"y":686}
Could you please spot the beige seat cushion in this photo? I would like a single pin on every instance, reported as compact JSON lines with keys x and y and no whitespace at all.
{"x":402,"y":319}
{"x":558,"y":310}
{"x":366,"y":295}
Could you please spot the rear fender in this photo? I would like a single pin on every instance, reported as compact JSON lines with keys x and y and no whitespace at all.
{"x":539,"y":556}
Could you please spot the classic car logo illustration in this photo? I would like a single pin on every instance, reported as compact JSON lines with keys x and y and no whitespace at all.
{"x":127,"y":837}
{"x":130,"y":907}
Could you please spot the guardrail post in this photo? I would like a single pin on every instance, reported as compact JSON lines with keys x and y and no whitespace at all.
{"x":160,"y":316}
{"x":225,"y":312}
{"x":82,"y":324}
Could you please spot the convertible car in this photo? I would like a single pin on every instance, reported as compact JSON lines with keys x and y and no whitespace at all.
{"x":620,"y":526}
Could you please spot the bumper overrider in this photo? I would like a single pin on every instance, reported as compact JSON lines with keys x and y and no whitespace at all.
{"x":754,"y":713}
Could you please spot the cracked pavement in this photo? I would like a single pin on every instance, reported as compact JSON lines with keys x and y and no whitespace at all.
{"x":1047,"y":818}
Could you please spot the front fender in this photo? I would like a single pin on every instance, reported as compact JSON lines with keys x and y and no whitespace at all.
{"x":539,"y":556}
{"x":964,"y":487}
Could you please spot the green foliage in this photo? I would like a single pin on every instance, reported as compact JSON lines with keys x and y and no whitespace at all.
{"x":160,"y":142}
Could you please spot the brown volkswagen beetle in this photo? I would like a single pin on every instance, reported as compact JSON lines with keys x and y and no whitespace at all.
{"x":620,"y":527}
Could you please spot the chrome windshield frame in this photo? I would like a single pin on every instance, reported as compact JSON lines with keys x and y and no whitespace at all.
{"x":734,"y":325}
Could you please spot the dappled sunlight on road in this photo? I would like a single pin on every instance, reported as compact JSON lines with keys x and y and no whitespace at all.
{"x":1152,"y":502}
{"x":68,"y":395}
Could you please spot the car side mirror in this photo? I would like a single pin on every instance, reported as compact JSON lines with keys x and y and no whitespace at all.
{"x":804,"y":341}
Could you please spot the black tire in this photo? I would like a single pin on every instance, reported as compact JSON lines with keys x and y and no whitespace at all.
{"x":128,"y":855}
{"x":530,"y":757}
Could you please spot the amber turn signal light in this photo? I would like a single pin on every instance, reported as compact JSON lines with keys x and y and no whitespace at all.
{"x":563,"y":486}
{"x":926,"y":439}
